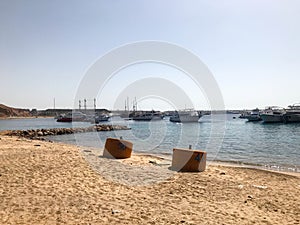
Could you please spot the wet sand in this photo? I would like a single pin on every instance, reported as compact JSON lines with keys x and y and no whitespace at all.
{"x":53,"y":183}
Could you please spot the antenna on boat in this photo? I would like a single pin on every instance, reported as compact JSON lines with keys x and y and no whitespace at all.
{"x":84,"y":104}
{"x":133,"y":105}
{"x":127,"y":103}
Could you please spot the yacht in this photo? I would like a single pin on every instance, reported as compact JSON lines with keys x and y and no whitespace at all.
{"x":185,"y":116}
{"x":272,"y":114}
{"x":72,"y":117}
{"x":292,"y":114}
{"x":147,"y":116}
{"x":253,"y":115}
{"x":101,"y":118}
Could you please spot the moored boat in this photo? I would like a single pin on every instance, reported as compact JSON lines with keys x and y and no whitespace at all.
{"x":185,"y":116}
{"x":72,"y":117}
{"x":147,"y":116}
{"x":272,"y":114}
{"x":292,"y":114}
{"x":101,"y":118}
{"x":253,"y":116}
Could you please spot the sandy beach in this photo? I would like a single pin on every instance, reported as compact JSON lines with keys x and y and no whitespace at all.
{"x":53,"y":183}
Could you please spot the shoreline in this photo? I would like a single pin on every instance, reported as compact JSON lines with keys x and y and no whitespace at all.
{"x":55,"y":183}
{"x":280,"y":169}
{"x":238,"y":164}
{"x":168,"y":157}
{"x":24,"y":117}
{"x":227,"y":164}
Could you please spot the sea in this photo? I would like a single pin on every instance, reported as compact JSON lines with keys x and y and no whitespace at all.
{"x":225,"y":138}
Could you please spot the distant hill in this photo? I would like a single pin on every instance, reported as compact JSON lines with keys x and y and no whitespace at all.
{"x":6,"y":111}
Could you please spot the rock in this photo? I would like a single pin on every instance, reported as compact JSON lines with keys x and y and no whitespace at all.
{"x":38,"y":133}
{"x":260,"y":186}
{"x":240,"y":186}
{"x":152,"y":161}
{"x":115,"y":211}
{"x":85,"y":150}
{"x":222,"y":173}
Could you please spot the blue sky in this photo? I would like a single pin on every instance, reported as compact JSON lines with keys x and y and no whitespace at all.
{"x":251,"y":47}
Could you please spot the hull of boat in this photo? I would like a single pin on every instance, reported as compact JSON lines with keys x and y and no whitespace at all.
{"x":66,"y":120}
{"x":142,"y":119}
{"x":98,"y":120}
{"x":253,"y":118}
{"x":185,"y":119}
{"x":147,"y":118}
{"x":271,"y":118}
{"x":291,"y":118}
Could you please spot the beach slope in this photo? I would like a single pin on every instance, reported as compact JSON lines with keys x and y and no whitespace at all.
{"x":52,"y":183}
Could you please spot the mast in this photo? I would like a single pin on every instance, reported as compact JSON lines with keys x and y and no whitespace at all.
{"x":128,"y":103}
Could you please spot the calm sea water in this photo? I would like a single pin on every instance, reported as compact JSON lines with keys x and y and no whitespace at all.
{"x":275,"y":146}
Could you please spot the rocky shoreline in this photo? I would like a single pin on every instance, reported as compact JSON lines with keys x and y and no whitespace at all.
{"x":39,"y":134}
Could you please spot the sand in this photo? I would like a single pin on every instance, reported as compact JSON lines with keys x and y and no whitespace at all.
{"x":52,"y":183}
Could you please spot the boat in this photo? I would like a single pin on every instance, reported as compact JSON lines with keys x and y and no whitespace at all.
{"x":147,"y":116}
{"x":97,"y":118}
{"x":292,"y":114}
{"x":253,"y":116}
{"x":72,"y":117}
{"x":101,"y":118}
{"x":243,"y":115}
{"x":272,"y":114}
{"x":185,"y":116}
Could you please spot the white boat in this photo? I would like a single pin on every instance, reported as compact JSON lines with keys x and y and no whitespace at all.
{"x":101,"y":118}
{"x":253,"y":116}
{"x":185,"y":116}
{"x":72,"y":117}
{"x":292,"y":114}
{"x":147,"y":116}
{"x":272,"y":114}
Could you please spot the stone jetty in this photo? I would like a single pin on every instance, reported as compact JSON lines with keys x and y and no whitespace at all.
{"x":40,"y":133}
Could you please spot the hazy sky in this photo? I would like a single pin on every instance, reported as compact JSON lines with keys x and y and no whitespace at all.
{"x":251,"y":47}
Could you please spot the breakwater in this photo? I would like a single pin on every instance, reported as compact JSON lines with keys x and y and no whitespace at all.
{"x":39,"y":134}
